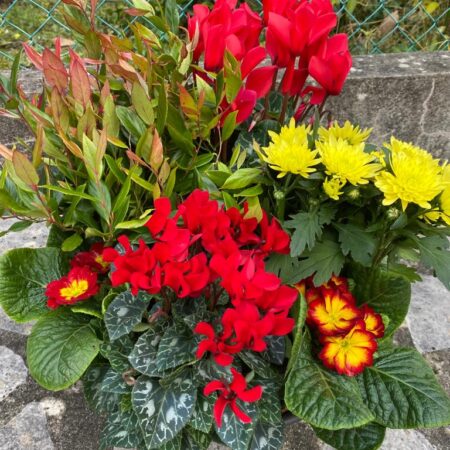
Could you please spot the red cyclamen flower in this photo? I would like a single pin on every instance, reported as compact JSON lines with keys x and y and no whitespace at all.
{"x":230,"y":393}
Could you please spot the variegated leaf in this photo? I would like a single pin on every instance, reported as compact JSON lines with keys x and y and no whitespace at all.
{"x":269,"y":406}
{"x":181,"y":379}
{"x":202,"y":419}
{"x":262,"y":367}
{"x":113,"y":382}
{"x":276,"y":348}
{"x":116,"y":352}
{"x":143,"y":356}
{"x":98,"y":400}
{"x":195,"y":440}
{"x":267,"y":436}
{"x":121,"y":430}
{"x":177,"y":346}
{"x":162,"y":413}
{"x":234,"y":433}
{"x":124,"y":312}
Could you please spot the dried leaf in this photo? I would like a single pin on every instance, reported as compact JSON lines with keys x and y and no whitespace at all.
{"x":388,"y":23}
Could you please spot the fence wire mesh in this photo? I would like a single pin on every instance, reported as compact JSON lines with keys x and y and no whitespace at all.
{"x":374,"y":26}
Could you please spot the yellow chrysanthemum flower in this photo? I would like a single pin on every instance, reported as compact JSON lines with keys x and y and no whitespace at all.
{"x":347,"y":162}
{"x":332,"y":187}
{"x":443,"y":212}
{"x":353,"y":134}
{"x":289,"y":152}
{"x":416,"y":176}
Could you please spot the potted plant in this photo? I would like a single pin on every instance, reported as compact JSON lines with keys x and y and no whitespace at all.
{"x":220,"y":258}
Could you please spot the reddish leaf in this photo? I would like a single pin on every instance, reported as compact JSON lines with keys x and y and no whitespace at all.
{"x":81,"y":89}
{"x":54,"y":71}
{"x":33,"y":56}
{"x":156,"y":158}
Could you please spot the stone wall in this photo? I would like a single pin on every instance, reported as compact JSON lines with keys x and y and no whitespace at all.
{"x":402,"y":94}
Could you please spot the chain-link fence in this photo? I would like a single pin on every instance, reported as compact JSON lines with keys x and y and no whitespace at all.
{"x":374,"y":26}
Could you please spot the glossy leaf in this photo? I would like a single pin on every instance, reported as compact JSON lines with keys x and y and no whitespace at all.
{"x":60,"y":348}
{"x":24,"y":275}
{"x":162,"y":413}
{"x":124,"y":312}
{"x":401,"y":390}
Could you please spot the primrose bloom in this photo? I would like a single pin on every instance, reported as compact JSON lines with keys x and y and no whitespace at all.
{"x":334,"y":313}
{"x":79,"y":284}
{"x":352,"y":134}
{"x":349,"y":354}
{"x":415,"y":176}
{"x":373,"y":321}
{"x":346,"y":161}
{"x":289,"y":151}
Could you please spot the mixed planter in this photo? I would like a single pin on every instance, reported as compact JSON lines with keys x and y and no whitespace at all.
{"x":221,"y":258}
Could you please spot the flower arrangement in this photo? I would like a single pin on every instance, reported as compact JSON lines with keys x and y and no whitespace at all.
{"x":220,"y":254}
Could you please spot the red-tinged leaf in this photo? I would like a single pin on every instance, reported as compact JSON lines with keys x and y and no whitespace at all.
{"x":58,"y":47}
{"x":157,"y":157}
{"x":33,"y":56}
{"x":135,"y":12}
{"x":5,"y":152}
{"x":25,"y":170}
{"x":38,"y":146}
{"x":54,"y":71}
{"x":72,"y":147}
{"x":59,"y":110}
{"x":188,"y":104}
{"x":135,"y":158}
{"x":93,"y":11}
{"x":81,"y":89}
{"x":78,"y":3}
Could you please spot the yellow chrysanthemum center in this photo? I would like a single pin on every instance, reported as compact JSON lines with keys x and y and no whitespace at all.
{"x":289,"y":151}
{"x":353,"y":134}
{"x":332,"y":187}
{"x":74,"y":289}
{"x":415,"y":176}
{"x":347,"y":162}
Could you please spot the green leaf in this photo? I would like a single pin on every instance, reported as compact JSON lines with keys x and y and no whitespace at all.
{"x":267,"y":436}
{"x":262,"y":367}
{"x":242,"y":178}
{"x":131,"y":121}
{"x":229,"y":125}
{"x":71,"y":243}
{"x":16,"y":227}
{"x":323,"y":398}
{"x":357,"y":242}
{"x":233,"y":432}
{"x":177,"y":346}
{"x":307,"y":229}
{"x":269,"y":407}
{"x":162,"y":413}
{"x":276,"y":349}
{"x":98,"y":400}
{"x":172,"y":16}
{"x":324,"y":260}
{"x":124,"y":312}
{"x":113,"y":382}
{"x":116,"y":352}
{"x":60,"y":348}
{"x":284,"y":266}
{"x":298,"y":333}
{"x":367,"y":437}
{"x":195,"y":440}
{"x":24,"y":275}
{"x":121,"y":430}
{"x":434,"y":253}
{"x":202,"y":418}
{"x":142,"y":103}
{"x":401,"y":390}
{"x":386,"y":293}
{"x":102,"y":197}
{"x":143,"y":356}
{"x":91,"y":307}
